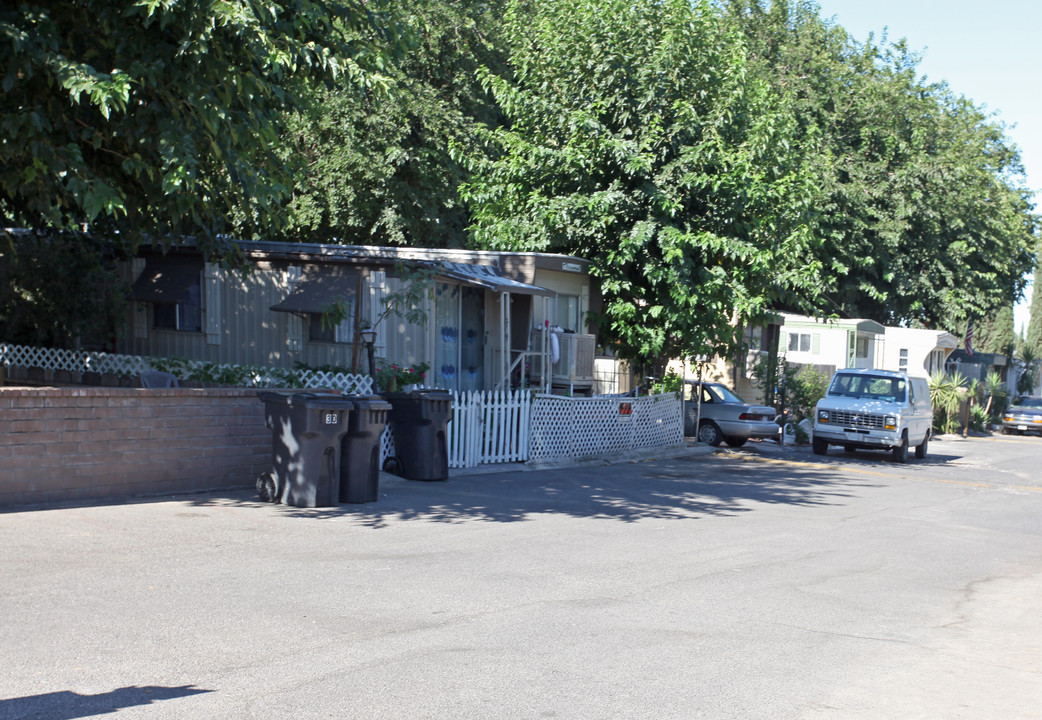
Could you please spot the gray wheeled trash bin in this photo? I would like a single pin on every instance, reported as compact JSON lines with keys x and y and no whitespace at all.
{"x":306,"y":432}
{"x":360,"y":450}
{"x":419,"y":420}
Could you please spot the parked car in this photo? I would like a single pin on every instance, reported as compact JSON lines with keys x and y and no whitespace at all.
{"x":874,"y":409}
{"x":724,"y":416}
{"x":1024,"y":416}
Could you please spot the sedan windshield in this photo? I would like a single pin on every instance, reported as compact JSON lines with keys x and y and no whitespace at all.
{"x":1031,"y":402}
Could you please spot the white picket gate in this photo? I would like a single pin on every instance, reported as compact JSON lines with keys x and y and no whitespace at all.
{"x":486,"y":427}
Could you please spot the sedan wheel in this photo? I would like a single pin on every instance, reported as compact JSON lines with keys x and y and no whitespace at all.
{"x":710,"y":434}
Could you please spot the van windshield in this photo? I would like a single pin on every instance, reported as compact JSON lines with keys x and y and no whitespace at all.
{"x":878,"y":387}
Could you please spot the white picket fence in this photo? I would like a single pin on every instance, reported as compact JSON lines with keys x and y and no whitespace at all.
{"x":487,"y":427}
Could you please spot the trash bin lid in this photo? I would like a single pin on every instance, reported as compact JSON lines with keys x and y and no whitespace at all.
{"x":305,"y":399}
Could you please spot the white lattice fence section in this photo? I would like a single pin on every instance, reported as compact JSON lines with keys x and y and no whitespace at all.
{"x":247,"y":376}
{"x":348,"y":383}
{"x":579,"y":427}
{"x":71,"y":360}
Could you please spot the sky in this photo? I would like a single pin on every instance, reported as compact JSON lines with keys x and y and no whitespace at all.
{"x":989,"y":52}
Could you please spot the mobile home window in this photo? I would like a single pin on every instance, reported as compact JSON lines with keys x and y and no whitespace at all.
{"x":185,"y":315}
{"x":568,"y":312}
{"x":799,"y":342}
{"x":903,"y":360}
{"x":332,"y":332}
{"x":862,"y":347}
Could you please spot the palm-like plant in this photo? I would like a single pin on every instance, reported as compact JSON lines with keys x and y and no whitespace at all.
{"x":946,"y":394}
{"x":1026,"y":381}
{"x":995,"y":390}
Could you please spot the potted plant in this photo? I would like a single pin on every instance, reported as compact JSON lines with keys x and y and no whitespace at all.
{"x":392,"y":377}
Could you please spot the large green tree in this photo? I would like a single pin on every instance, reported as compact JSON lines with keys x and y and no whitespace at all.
{"x":162,"y":117}
{"x":384,"y":168}
{"x":1033,"y":336}
{"x":637,"y":136}
{"x":924,"y":216}
{"x":994,"y":333}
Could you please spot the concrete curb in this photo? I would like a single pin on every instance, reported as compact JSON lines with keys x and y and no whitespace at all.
{"x":687,"y":449}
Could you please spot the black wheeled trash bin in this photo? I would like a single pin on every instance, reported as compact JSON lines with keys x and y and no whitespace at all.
{"x":306,"y":432}
{"x":419,"y":421}
{"x":360,"y":450}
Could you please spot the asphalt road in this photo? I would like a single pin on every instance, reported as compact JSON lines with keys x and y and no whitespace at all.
{"x":764,"y":583}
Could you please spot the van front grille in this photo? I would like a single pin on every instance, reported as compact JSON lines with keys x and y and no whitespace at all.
{"x":857,"y":420}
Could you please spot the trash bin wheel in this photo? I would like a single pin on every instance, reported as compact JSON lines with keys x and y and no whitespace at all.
{"x":267,"y":488}
{"x":393,"y":465}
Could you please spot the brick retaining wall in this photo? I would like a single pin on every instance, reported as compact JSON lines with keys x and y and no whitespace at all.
{"x":61,"y":444}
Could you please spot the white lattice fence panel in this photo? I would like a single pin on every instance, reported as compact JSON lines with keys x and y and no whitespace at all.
{"x":600,"y":427}
{"x":579,"y":427}
{"x":119,"y":364}
{"x":658,"y":420}
{"x":71,"y":360}
{"x":386,"y":445}
{"x":349,"y":383}
{"x":551,"y":428}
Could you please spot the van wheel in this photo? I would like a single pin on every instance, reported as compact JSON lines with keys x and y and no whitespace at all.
{"x":820,"y":446}
{"x":920,"y":449}
{"x":901,"y":451}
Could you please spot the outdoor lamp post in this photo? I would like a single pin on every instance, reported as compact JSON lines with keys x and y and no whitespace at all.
{"x":369,"y":337}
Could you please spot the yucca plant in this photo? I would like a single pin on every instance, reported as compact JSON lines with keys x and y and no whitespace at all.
{"x":947,"y":395}
{"x":1026,"y":381}
{"x":996,"y":392}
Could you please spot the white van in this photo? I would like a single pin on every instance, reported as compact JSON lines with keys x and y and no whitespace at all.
{"x":874,"y":409}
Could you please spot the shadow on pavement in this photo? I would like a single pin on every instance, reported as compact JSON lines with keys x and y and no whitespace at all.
{"x":66,"y":705}
{"x":679,"y":488}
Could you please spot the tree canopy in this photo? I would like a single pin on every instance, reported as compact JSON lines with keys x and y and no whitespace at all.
{"x":161,"y":117}
{"x":379,"y":168}
{"x":923,"y":215}
{"x":716,"y":160}
{"x":637,"y":136}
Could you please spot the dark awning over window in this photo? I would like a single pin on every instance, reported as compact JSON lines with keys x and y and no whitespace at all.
{"x":167,"y":279}
{"x":486,"y":277}
{"x":319,"y":287}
